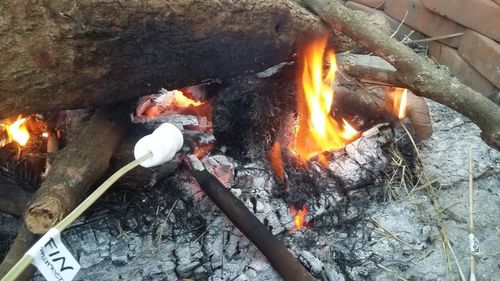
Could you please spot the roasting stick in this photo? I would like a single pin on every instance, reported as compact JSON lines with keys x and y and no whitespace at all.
{"x":282,"y":260}
{"x":151,"y":150}
{"x":71,"y":217}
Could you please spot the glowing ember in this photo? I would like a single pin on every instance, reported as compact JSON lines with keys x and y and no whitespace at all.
{"x":318,"y":131}
{"x":177,"y":99}
{"x":203,"y":150}
{"x":399,"y":103}
{"x":299,"y":217}
{"x":167,"y":102}
{"x":276,"y":160}
{"x":18,"y":132}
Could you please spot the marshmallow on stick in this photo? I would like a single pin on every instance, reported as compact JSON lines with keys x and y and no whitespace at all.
{"x":163,"y":143}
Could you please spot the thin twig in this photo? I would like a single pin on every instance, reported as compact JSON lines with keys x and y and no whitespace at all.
{"x":391,"y":271}
{"x":440,"y":37}
{"x":471,"y":223}
{"x":400,"y":24}
{"x":411,"y":139}
{"x":171,"y":209}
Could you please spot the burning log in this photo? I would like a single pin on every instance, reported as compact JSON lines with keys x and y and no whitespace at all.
{"x":369,"y":106}
{"x":422,"y":77}
{"x":256,"y":127}
{"x":278,"y":255}
{"x":100,"y":52}
{"x":75,"y":168}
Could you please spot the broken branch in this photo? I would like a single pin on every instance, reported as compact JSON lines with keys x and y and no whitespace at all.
{"x":75,"y":168}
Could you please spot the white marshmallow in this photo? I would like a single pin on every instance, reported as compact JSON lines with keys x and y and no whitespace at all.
{"x":170,"y":132}
{"x":163,"y":143}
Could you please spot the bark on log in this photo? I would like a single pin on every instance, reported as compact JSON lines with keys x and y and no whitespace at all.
{"x":24,"y":240}
{"x":367,"y":68}
{"x":415,"y":71}
{"x":75,"y":169}
{"x":65,"y":54}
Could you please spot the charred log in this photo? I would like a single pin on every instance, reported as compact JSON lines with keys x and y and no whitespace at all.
{"x":75,"y":168}
{"x":93,"y":53}
{"x":241,"y":122}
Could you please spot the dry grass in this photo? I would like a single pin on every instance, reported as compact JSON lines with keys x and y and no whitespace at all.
{"x":402,"y":184}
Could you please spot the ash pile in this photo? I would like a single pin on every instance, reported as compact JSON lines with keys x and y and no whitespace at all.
{"x":172,"y":231}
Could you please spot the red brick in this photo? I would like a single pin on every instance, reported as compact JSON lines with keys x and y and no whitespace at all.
{"x":483,"y":54}
{"x":379,"y":4}
{"x":423,"y":20}
{"x":459,"y":67}
{"x":481,"y":15}
{"x":404,"y":30}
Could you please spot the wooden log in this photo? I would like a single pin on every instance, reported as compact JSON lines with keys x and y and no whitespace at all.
{"x":75,"y":168}
{"x":369,"y":106}
{"x":415,"y":71}
{"x":24,"y":240}
{"x":64,"y":55}
{"x":367,"y":68}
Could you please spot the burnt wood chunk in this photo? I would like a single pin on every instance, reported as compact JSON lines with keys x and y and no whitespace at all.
{"x":75,"y":168}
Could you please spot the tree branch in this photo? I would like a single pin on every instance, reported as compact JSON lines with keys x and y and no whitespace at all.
{"x":415,"y":71}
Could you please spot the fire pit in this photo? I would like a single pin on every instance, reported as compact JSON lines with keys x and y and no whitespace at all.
{"x":326,"y":166}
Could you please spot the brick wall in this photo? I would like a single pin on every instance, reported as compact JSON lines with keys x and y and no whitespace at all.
{"x":472,"y":55}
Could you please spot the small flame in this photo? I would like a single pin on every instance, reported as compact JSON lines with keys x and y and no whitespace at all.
{"x":179,"y":100}
{"x":349,"y":132}
{"x":18,"y":132}
{"x":299,"y":217}
{"x":399,"y":104}
{"x":317,"y":130}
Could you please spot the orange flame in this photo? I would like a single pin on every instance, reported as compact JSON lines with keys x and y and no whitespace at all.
{"x":399,"y":104}
{"x":168,"y":102}
{"x":299,"y":217}
{"x":18,"y":132}
{"x":318,"y":131}
{"x":181,"y":101}
{"x":276,"y":160}
{"x":203,"y":150}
